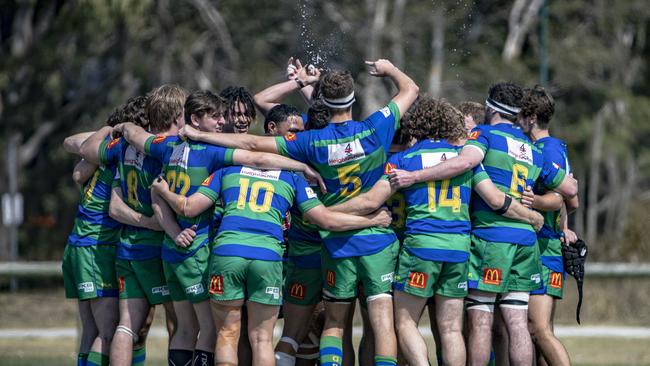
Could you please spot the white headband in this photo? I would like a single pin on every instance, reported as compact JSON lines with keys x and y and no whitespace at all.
{"x":340,"y":103}
{"x":502,"y":108}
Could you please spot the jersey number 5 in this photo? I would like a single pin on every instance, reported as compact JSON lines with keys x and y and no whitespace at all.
{"x":346,"y":178}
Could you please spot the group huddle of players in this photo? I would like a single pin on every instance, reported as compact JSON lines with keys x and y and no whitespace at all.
{"x":180,"y":206}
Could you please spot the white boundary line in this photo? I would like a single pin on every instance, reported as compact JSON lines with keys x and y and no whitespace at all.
{"x":560,"y":331}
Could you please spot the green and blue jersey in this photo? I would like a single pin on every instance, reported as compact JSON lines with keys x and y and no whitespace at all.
{"x":92,"y":224}
{"x":256,"y":203}
{"x":513,"y":163}
{"x":350,"y":157}
{"x":437,"y":212}
{"x":555,"y":153}
{"x":185,"y":165}
{"x":137,"y":171}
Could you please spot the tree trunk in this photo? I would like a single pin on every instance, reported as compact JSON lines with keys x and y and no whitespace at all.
{"x":373,"y":90}
{"x":437,"y":52}
{"x":594,"y":171}
{"x":522,"y":15}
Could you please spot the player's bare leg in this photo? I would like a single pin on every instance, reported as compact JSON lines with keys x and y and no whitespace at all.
{"x":380,"y":310}
{"x":188,"y":328}
{"x":296,"y":326}
{"x":540,"y":311}
{"x":520,"y":347}
{"x":244,"y":350}
{"x":106,"y":315}
{"x":367,"y":343}
{"x":434,"y":329}
{"x":336,"y":315}
{"x":88,"y":327}
{"x":349,"y":358}
{"x":480,"y":315}
{"x":144,"y":330}
{"x":408,"y":309}
{"x":261,"y":320}
{"x":133,"y":314}
{"x":227,"y":316}
{"x":170,"y":320}
{"x":449,"y":318}
{"x":207,"y":336}
{"x":500,"y":340}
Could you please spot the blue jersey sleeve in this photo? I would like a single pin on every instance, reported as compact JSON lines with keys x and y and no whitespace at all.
{"x":294,"y":145}
{"x":159,"y":146}
{"x":306,"y":198}
{"x":110,"y":151}
{"x":211,"y":186}
{"x":478,"y":139}
{"x":385,"y":122}
{"x":218,"y":157}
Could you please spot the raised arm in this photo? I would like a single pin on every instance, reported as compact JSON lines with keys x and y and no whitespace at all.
{"x":274,"y":161}
{"x":83,"y":171}
{"x":467,"y":159}
{"x":72,"y":144}
{"x":498,"y":200}
{"x":89,"y":150}
{"x":300,"y":80}
{"x":338,"y":221}
{"x":191,"y":206}
{"x":233,"y":140}
{"x":134,"y":134}
{"x":407,"y":90}
{"x":366,"y":202}
{"x":121,"y":212}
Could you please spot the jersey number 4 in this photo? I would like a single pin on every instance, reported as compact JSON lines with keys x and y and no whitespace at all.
{"x":443,"y":201}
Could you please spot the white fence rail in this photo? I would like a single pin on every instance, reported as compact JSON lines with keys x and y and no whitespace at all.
{"x":53,"y":269}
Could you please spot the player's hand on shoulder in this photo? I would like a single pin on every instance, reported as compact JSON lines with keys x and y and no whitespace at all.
{"x":159,"y":184}
{"x":188,"y":132}
{"x":528,"y":197}
{"x":381,"y":67}
{"x":382,"y":217}
{"x":401,"y":178}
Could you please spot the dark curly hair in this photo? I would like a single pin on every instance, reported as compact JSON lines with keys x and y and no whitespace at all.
{"x":135,"y":111}
{"x":537,"y":101}
{"x":336,"y":84}
{"x":509,"y":94}
{"x":280,"y":113}
{"x":318,"y":115}
{"x":116,"y":116}
{"x":235,"y":94}
{"x":431,"y":118}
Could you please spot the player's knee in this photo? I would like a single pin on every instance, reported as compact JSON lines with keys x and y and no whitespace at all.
{"x":483,"y":302}
{"x":258,"y":337}
{"x":516,"y":300}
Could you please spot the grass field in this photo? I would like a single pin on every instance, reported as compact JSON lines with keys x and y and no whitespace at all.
{"x":612,"y":302}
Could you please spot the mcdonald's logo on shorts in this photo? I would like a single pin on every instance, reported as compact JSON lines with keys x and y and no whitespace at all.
{"x":418,"y":279}
{"x":492,"y":276}
{"x":555,"y":280}
{"x":297,"y":291}
{"x":120,"y":283}
{"x":216,"y":285}
{"x":331,"y":278}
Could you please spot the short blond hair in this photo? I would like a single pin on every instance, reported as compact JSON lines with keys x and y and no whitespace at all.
{"x":164,"y":105}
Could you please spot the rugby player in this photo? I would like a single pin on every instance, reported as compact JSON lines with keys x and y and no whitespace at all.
{"x":139,"y":267}
{"x":434,"y":258}
{"x":350,"y":155}
{"x":89,"y":257}
{"x":504,"y":259}
{"x":240,"y":109}
{"x":473,"y":114}
{"x":246,"y":258}
{"x":535,"y":116}
{"x":186,"y":164}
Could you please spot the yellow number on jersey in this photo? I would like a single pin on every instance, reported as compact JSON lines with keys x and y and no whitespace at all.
{"x":519,"y":176}
{"x":91,"y":186}
{"x":346,"y":178}
{"x":397,"y":206}
{"x":268,"y":188}
{"x":454,"y":202}
{"x":132,"y":188}
{"x":178,"y":180}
